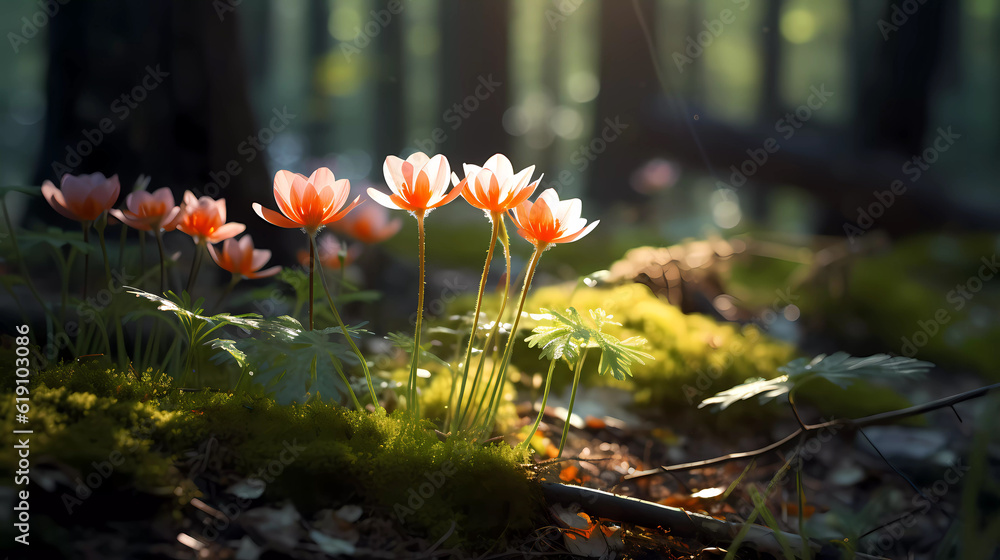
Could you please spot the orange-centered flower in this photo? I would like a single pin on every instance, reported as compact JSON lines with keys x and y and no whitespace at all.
{"x":82,"y":197}
{"x":418,"y":184}
{"x":204,"y":219}
{"x":495,"y":187}
{"x":308,"y":203}
{"x":240,"y":258}
{"x":329,"y":252}
{"x":150,"y":211}
{"x":549,"y":220}
{"x":370,"y":224}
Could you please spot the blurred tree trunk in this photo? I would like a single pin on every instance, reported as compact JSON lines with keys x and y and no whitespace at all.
{"x":167,"y":83}
{"x":475,"y":98}
{"x":628,"y":78}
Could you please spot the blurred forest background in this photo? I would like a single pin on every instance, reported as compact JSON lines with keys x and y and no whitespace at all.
{"x":646,"y":107}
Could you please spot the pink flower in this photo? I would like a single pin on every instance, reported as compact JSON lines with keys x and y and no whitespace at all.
{"x":150,"y":211}
{"x":308,"y":203}
{"x":494,"y":187}
{"x":370,"y":224}
{"x":204,"y":219}
{"x":82,"y":197}
{"x":418,"y":184}
{"x":240,"y":258}
{"x":329,"y":252}
{"x":549,"y":220}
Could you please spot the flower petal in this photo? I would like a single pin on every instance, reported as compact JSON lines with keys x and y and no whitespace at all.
{"x":382,"y":198}
{"x":274,"y":217}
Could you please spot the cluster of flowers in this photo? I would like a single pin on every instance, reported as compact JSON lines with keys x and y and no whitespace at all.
{"x":86,"y":199}
{"x":418,"y":185}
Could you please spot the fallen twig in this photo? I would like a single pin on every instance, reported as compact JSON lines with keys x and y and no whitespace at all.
{"x":678,"y":522}
{"x":806,"y":428}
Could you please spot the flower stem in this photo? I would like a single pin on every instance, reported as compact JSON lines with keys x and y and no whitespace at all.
{"x":104,"y":255}
{"x":494,"y":332}
{"x":475,"y":316}
{"x":229,"y":289}
{"x":572,"y":399}
{"x":312,"y":277}
{"x":142,"y":257}
{"x":411,"y":394}
{"x":121,"y":247}
{"x":86,"y":257}
{"x":541,"y":411}
{"x":512,"y":339}
{"x":24,"y":266}
{"x":163,"y":257}
{"x":199,"y":252}
{"x":350,"y":341}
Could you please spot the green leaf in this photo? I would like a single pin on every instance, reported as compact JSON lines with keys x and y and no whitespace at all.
{"x":840,"y":368}
{"x":56,"y":238}
{"x":23,"y":189}
{"x":232,"y":348}
{"x":405,"y":343}
{"x":570,"y":333}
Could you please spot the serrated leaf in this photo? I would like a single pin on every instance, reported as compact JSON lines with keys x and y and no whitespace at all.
{"x":405,"y":343}
{"x":839,"y":368}
{"x":570,"y":334}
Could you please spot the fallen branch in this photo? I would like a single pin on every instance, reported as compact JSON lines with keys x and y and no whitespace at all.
{"x":880,"y":418}
{"x":678,"y":522}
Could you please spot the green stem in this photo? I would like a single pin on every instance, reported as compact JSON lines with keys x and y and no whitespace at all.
{"x":572,"y":400}
{"x":411,"y":393}
{"x":199,"y":251}
{"x":312,"y":277}
{"x":229,"y":289}
{"x":86,"y":257}
{"x":541,"y":411}
{"x":119,"y":332}
{"x":347,"y":383}
{"x":475,"y":315}
{"x":121,"y":247}
{"x":494,"y":332}
{"x":347,"y":335}
{"x":104,"y":255}
{"x":512,"y":339}
{"x":24,"y":267}
{"x":163,"y":256}
{"x":142,"y":257}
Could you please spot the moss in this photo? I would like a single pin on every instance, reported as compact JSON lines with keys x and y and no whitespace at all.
{"x":318,"y":454}
{"x":695,"y":355}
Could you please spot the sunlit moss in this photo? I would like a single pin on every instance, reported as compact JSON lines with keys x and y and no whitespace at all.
{"x":319,"y":455}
